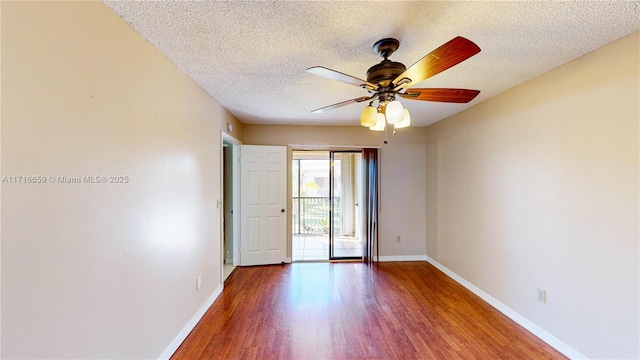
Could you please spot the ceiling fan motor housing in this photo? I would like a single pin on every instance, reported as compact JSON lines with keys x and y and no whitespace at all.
{"x":385,"y":72}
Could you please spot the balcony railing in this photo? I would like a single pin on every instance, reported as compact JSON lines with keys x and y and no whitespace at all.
{"x":311,"y":215}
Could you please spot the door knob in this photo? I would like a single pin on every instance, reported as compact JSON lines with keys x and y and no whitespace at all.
{"x":282,"y":210}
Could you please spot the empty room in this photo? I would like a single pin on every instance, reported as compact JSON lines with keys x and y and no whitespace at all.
{"x":320,"y":180}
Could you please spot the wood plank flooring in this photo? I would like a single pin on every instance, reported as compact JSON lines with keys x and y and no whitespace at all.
{"x":402,"y":310}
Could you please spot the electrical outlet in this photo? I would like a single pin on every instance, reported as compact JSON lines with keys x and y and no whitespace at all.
{"x":198,"y":282}
{"x":398,"y":238}
{"x":541,"y":295}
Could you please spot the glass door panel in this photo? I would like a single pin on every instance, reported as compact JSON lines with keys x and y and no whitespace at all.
{"x":310,"y":205}
{"x":344,"y":241}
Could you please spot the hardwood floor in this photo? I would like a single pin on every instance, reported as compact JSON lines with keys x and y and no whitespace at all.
{"x":402,"y":310}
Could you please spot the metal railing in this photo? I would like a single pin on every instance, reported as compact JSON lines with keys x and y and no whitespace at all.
{"x":311,"y":215}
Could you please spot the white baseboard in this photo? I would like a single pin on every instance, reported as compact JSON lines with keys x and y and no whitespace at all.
{"x":190,"y":325}
{"x":402,"y":258}
{"x":510,"y":313}
{"x":288,"y":260}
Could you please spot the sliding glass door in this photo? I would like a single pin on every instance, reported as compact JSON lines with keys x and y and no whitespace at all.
{"x":328,"y":204}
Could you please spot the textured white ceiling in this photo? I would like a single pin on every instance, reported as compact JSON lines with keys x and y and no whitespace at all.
{"x":252,"y":56}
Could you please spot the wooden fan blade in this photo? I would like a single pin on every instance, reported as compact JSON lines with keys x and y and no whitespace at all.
{"x":441,"y":95}
{"x":341,"y":104}
{"x":449,"y":54}
{"x":336,"y":75}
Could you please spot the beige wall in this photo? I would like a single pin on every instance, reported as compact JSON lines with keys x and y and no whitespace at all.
{"x":402,"y":168}
{"x":538,"y":188}
{"x":102,"y":270}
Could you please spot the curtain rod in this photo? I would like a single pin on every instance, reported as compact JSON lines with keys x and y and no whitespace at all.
{"x":325,"y":147}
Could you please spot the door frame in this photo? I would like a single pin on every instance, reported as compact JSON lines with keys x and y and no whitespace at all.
{"x":328,"y":148}
{"x":235,"y":179}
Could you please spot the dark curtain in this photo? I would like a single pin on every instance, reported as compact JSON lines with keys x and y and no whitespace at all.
{"x":370,"y":243}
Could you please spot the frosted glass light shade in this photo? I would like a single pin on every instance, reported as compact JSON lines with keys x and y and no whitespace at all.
{"x":394,"y":112}
{"x":406,"y":121}
{"x":369,"y":116}
{"x":380,"y":123}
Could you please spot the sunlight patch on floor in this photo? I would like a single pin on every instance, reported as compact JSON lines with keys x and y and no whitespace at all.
{"x":315,"y":247}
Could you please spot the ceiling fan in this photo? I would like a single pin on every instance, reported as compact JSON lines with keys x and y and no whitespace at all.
{"x":389,"y":79}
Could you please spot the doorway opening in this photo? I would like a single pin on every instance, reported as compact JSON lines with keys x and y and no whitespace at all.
{"x":325,"y":214}
{"x":230,"y":207}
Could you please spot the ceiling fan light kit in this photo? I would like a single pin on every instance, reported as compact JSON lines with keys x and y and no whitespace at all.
{"x":389,"y":79}
{"x":375,"y":119}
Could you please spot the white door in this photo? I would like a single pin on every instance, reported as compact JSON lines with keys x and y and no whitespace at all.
{"x":263,"y":233}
